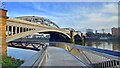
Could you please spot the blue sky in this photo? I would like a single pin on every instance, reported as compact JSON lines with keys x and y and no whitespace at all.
{"x":77,"y":15}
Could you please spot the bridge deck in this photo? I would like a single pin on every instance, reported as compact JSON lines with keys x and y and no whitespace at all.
{"x":60,"y":57}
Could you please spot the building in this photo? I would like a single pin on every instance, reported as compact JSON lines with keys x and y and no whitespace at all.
{"x":37,"y":35}
{"x":89,"y":31}
{"x":116,"y":32}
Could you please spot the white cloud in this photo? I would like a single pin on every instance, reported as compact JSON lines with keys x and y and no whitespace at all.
{"x":100,"y":22}
{"x":110,"y":8}
{"x":105,"y":17}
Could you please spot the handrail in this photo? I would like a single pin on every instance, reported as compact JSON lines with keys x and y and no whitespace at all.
{"x":110,"y":52}
{"x":102,"y":51}
{"x":93,"y":56}
{"x":36,"y":60}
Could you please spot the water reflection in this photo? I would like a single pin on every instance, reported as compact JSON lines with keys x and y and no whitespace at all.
{"x":20,"y":53}
{"x":104,"y":45}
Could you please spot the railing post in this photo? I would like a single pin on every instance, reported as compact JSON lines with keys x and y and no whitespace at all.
{"x":3,"y":43}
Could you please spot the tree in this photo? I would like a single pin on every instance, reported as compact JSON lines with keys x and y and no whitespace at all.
{"x":103,"y":30}
{"x":109,"y":35}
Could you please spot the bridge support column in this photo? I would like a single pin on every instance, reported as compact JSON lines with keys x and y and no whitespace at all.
{"x":3,"y":43}
{"x":83,"y":39}
{"x":72,"y":36}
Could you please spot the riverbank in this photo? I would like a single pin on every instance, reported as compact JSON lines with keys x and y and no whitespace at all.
{"x":108,"y":40}
{"x":8,"y":62}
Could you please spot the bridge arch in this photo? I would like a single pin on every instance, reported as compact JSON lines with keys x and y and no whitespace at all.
{"x":26,"y":28}
{"x":77,"y":39}
{"x":47,"y":30}
{"x":56,"y":35}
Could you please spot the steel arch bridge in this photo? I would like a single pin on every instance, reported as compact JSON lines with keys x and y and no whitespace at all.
{"x":14,"y":28}
{"x":55,"y":34}
{"x":28,"y":25}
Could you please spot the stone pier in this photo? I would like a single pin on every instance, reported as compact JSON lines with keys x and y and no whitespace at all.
{"x":3,"y":43}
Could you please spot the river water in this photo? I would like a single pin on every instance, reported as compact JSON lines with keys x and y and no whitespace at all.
{"x":109,"y":45}
{"x":22,"y":54}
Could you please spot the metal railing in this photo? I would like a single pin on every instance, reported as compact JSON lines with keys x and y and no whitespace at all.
{"x":32,"y":45}
{"x":92,"y":57}
{"x":37,"y":60}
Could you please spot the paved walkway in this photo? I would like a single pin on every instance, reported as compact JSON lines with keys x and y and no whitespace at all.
{"x":60,"y":57}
